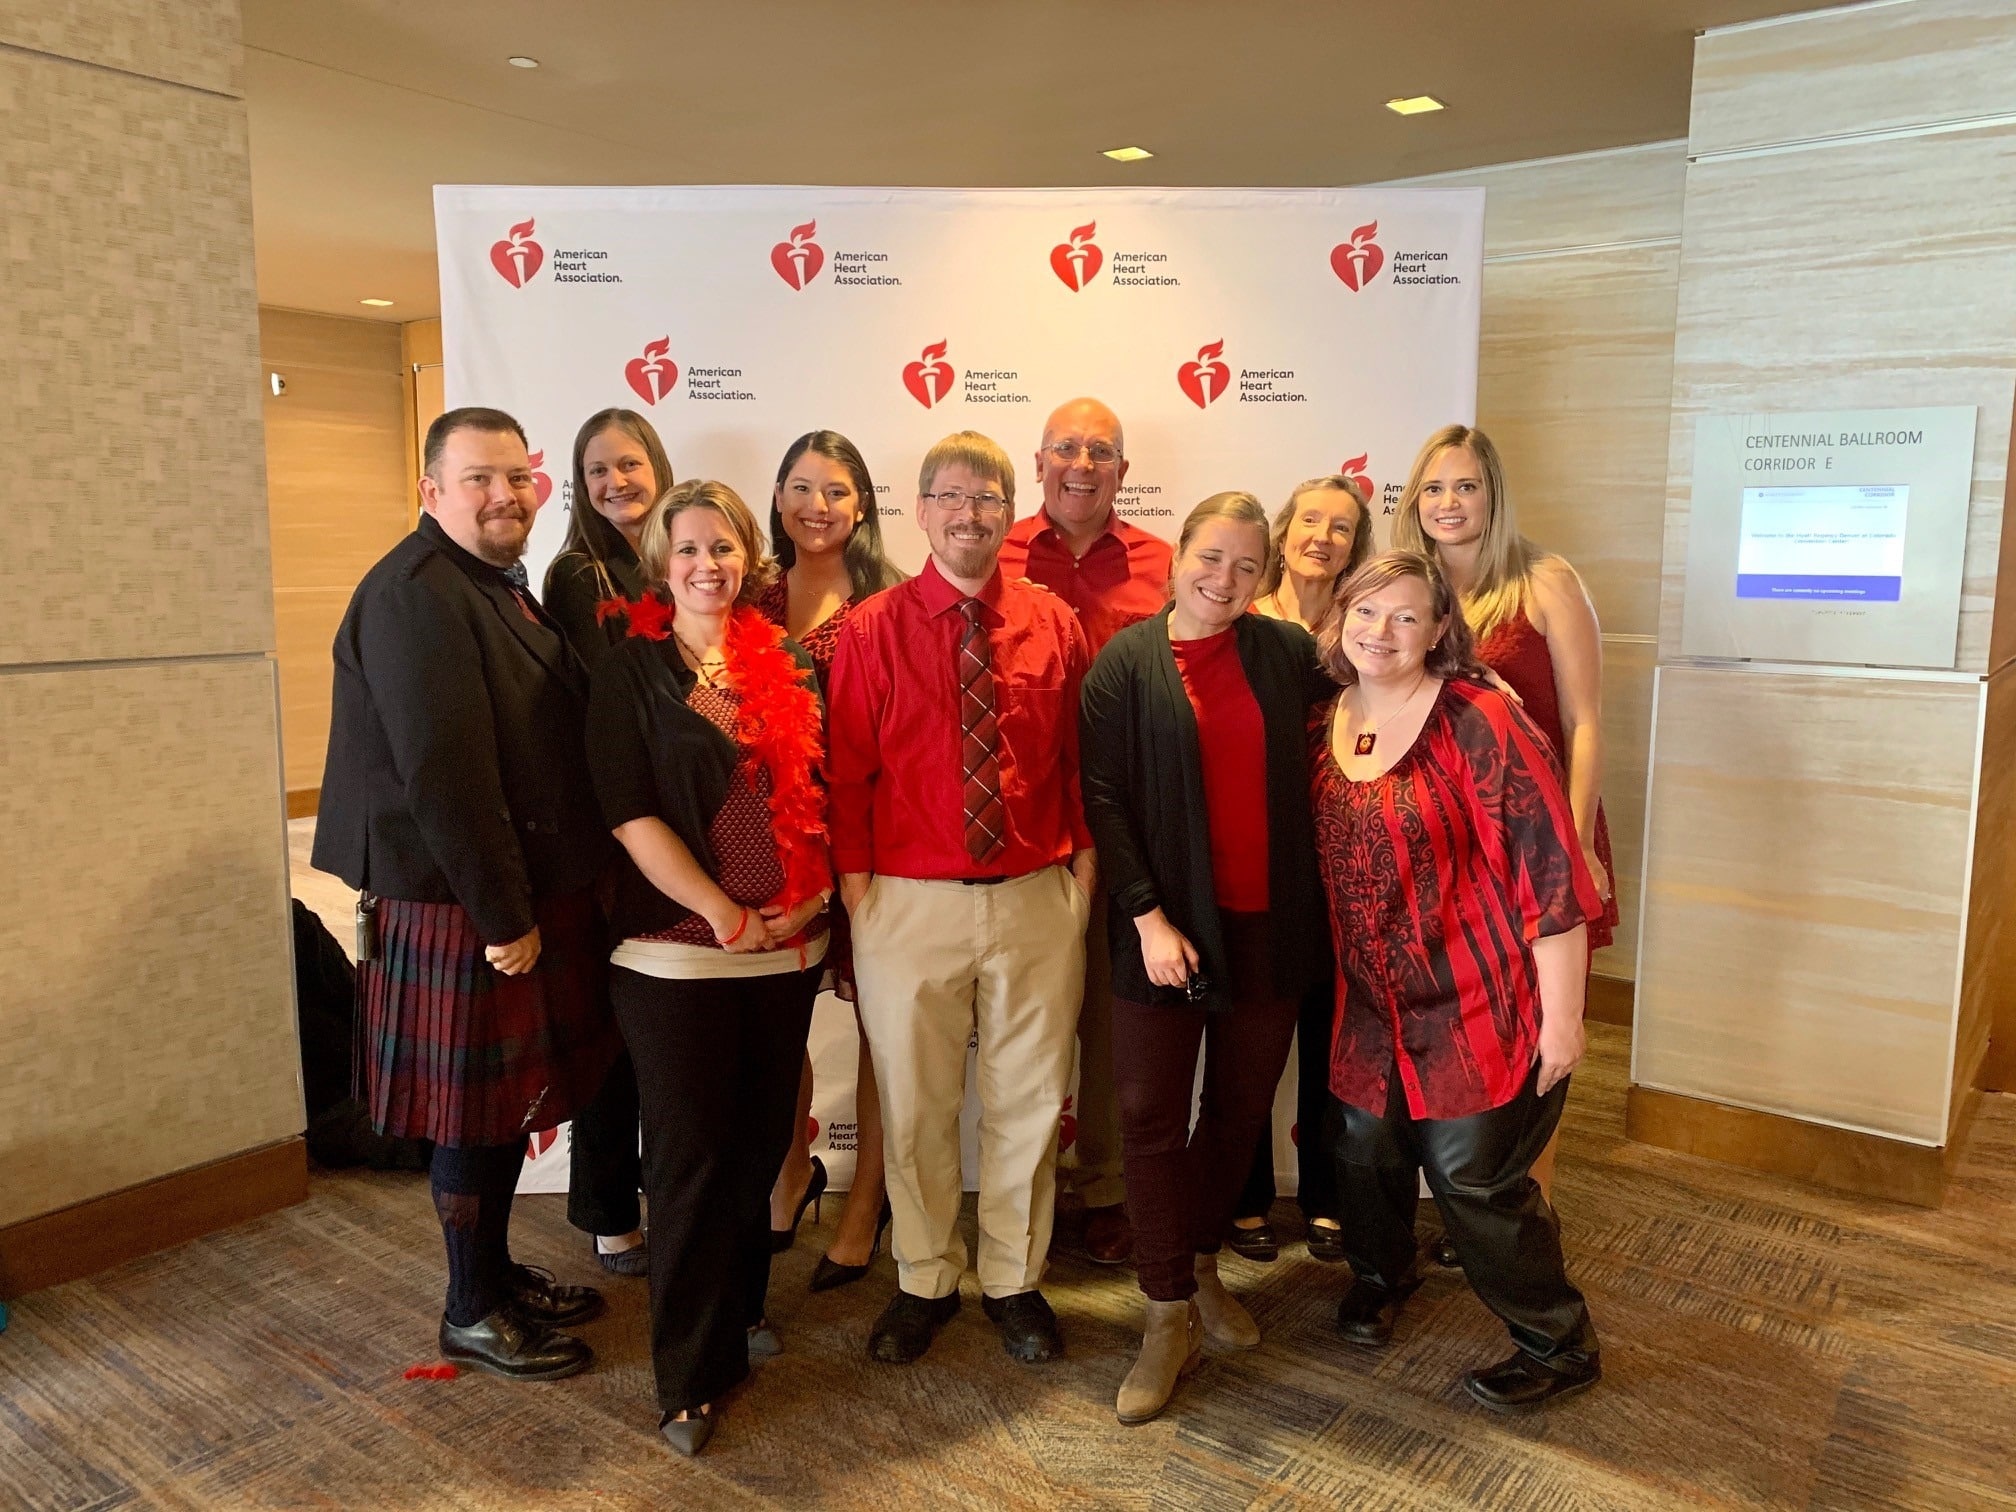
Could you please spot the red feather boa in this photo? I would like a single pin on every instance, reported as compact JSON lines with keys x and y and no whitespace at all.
{"x":777,"y":724}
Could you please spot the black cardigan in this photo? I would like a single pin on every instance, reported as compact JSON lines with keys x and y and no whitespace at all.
{"x":573,"y":590}
{"x":454,"y":771}
{"x":1143,"y":779}
{"x":651,"y":754}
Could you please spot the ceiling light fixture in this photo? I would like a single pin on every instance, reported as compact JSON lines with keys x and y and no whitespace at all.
{"x":523,"y":62}
{"x":1127,"y":154}
{"x":1415,"y":105}
{"x":377,"y":304}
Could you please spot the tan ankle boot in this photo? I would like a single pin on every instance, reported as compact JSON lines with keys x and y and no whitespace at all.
{"x":1225,"y":1319}
{"x":1172,"y":1345}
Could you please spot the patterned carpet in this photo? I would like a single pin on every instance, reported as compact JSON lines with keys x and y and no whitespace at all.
{"x":1766,"y":1346}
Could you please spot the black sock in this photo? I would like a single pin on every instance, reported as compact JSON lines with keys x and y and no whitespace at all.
{"x":473,"y":1189}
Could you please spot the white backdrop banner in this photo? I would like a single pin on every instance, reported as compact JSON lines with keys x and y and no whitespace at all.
{"x":1247,"y":338}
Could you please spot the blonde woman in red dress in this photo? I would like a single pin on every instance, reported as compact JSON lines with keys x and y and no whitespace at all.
{"x":1535,"y":628}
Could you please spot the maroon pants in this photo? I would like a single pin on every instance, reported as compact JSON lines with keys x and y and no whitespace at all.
{"x":1183,"y":1183}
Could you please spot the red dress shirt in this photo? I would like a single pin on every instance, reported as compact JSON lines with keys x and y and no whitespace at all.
{"x":1123,"y":576}
{"x":898,"y":799}
{"x":1232,"y":745}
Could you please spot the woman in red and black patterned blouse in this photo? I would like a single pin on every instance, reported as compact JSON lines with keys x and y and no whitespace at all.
{"x":827,"y":537}
{"x":1459,"y":905}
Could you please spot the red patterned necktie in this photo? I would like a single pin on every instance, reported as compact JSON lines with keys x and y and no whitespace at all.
{"x":978,"y":758}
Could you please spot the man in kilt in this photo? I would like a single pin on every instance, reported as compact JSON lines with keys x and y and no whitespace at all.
{"x":455,"y":798}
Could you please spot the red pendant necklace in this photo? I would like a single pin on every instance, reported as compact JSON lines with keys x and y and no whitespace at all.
{"x":1368,"y":738}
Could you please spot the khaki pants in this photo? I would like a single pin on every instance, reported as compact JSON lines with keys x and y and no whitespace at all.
{"x":1096,"y":1176}
{"x":938,"y":963}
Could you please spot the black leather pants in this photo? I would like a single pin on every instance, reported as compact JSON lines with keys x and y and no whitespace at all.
{"x":1506,"y":1235}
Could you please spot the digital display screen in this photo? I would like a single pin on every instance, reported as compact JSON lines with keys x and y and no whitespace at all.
{"x":1832,"y":542}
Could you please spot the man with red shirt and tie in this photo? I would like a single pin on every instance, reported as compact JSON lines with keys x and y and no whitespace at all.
{"x":967,"y":870}
{"x":1111,"y":574}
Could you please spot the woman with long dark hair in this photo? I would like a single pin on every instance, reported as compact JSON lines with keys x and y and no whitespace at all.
{"x":827,"y":535}
{"x":620,"y":471}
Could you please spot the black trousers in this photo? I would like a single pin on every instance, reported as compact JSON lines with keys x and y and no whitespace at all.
{"x":1316,"y":1174}
{"x":1504,"y":1232}
{"x":604,"y":1167}
{"x":717,"y":1080}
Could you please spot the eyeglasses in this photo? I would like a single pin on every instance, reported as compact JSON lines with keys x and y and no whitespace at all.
{"x":1098,"y":453}
{"x":983,"y":504}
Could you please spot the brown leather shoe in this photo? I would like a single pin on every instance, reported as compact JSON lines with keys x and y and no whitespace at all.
{"x":1109,"y":1237}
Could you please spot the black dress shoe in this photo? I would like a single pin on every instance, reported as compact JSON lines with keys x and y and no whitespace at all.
{"x":688,"y":1435}
{"x":908,"y":1325}
{"x":1366,"y":1313}
{"x":634,"y":1261}
{"x":1522,"y":1382}
{"x":1255,"y":1243}
{"x":1028,"y":1327}
{"x":507,"y":1344}
{"x":538,"y":1298}
{"x":1326,"y":1243}
{"x":1443,"y":1253}
{"x":815,"y":1189}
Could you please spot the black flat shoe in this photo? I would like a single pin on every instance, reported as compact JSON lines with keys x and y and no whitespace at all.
{"x":829,"y":1273}
{"x":688,"y":1435}
{"x":1326,"y":1243}
{"x":908,"y":1325}
{"x":764,"y":1343}
{"x":507,"y":1344}
{"x":1366,"y":1313}
{"x":635,"y":1261}
{"x":1443,"y":1253}
{"x":782,"y":1239}
{"x":1256,"y":1243}
{"x":1028,"y":1326}
{"x":538,"y":1298}
{"x":1522,"y":1383}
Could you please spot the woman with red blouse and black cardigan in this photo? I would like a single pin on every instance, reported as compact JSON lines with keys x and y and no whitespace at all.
{"x":1194,"y":763}
{"x":704,"y":740}
{"x":1459,"y":903}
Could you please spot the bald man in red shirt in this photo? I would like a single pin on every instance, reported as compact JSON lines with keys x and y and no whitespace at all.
{"x":1111,"y":573}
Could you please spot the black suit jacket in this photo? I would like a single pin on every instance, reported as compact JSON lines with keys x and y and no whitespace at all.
{"x":1144,"y":801}
{"x":457,"y":767}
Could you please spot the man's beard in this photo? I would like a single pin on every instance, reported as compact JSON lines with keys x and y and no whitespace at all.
{"x":497,"y":551}
{"x":971,"y":559}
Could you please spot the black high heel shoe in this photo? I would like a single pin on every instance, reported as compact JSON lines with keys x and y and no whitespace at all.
{"x":782,"y":1239}
{"x":829,"y":1273}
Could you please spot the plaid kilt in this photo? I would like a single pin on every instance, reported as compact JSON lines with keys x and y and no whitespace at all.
{"x":453,"y":1051}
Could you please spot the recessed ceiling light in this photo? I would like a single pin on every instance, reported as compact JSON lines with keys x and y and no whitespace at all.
{"x":1127,"y":154}
{"x":1415,"y":105}
{"x":377,"y":304}
{"x":523,"y":62}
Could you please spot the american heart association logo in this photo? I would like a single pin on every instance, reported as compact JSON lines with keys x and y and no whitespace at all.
{"x":1354,"y":469}
{"x":1067,"y":1128}
{"x":542,"y":483}
{"x":653,"y":374}
{"x":517,"y":257}
{"x":1077,"y":261}
{"x":799,"y":260}
{"x":1358,"y":261}
{"x":538,"y":1144}
{"x":1206,"y":378}
{"x":929,"y":379}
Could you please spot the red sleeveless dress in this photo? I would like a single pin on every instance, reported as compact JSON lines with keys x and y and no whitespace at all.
{"x":1518,"y":653}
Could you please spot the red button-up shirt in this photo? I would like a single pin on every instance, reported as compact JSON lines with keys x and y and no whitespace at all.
{"x":1123,"y":576}
{"x":898,"y":795}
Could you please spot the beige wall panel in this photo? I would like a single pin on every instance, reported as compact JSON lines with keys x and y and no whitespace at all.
{"x":1627,"y":732}
{"x":1591,"y":200}
{"x":1575,"y":385}
{"x":1804,"y":876}
{"x":192,"y":42}
{"x":1865,"y":275}
{"x":1860,"y":69}
{"x":305,"y":621}
{"x":145,"y":993}
{"x":292,"y":336}
{"x":1988,"y":983}
{"x":137,"y":522}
